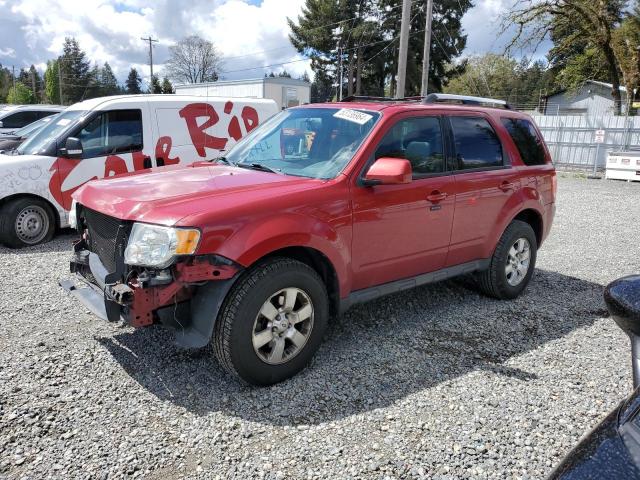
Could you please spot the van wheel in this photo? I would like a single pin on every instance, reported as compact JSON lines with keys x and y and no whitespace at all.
{"x":272,"y":322}
{"x":512,"y":264}
{"x":25,"y":222}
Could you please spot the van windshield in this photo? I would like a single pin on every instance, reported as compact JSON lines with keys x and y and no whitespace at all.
{"x":40,"y":140}
{"x":306,"y":142}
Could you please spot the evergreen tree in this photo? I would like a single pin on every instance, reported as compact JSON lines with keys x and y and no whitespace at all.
{"x":36,"y":83}
{"x":369,"y":41}
{"x":76,"y":71}
{"x":133,"y":82}
{"x":154,"y":86}
{"x":6,"y":81}
{"x":166,"y":86}
{"x":107,"y":81}
{"x":51,"y":83}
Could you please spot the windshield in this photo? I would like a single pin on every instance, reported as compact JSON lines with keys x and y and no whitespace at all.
{"x":32,"y":127}
{"x":306,"y":142}
{"x":43,"y":137}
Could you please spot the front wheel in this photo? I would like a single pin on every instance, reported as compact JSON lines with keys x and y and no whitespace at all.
{"x":25,"y":222}
{"x":512,"y":263}
{"x":272,"y":321}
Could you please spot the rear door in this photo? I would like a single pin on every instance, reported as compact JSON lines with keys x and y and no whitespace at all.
{"x":539,"y":173}
{"x":484,"y":182}
{"x":401,"y":231}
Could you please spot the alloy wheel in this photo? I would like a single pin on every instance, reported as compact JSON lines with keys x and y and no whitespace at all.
{"x":283,"y":326}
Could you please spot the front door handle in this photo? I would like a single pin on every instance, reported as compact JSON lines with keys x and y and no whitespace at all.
{"x":436,"y":196}
{"x":506,"y":186}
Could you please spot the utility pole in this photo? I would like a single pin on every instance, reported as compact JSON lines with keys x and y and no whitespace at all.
{"x":151,"y":42}
{"x":404,"y":46}
{"x":340,"y":79}
{"x":427,"y":50}
{"x":60,"y":79}
{"x":33,"y":83}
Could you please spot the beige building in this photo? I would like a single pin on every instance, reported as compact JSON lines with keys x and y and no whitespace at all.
{"x":287,"y":92}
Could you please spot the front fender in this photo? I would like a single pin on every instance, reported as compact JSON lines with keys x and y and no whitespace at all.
{"x":256,"y":239}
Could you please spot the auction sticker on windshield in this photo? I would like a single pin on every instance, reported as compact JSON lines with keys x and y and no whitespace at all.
{"x":353,"y":116}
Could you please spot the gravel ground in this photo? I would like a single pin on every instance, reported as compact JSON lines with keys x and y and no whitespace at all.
{"x":438,"y":382}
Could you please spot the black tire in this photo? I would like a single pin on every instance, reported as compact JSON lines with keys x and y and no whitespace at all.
{"x":9,"y":234}
{"x":234,"y":328}
{"x":493,"y":281}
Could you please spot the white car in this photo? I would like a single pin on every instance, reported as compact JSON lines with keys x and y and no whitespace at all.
{"x":13,"y":117}
{"x":108,"y":136}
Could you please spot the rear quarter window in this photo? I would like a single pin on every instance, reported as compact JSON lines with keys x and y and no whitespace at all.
{"x":527,"y":141}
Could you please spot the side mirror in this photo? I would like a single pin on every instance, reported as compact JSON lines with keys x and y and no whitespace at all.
{"x":388,"y":171}
{"x":72,"y":148}
{"x":1,"y":125}
{"x":622,"y":297}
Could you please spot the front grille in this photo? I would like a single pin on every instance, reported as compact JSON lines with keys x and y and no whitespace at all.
{"x":103,"y":236}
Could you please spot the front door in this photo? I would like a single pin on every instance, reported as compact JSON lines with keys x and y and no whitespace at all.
{"x":113,"y":142}
{"x":400,"y":231}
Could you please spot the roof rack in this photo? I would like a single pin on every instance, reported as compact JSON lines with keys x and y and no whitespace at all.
{"x":365,"y":98}
{"x":466,"y":100}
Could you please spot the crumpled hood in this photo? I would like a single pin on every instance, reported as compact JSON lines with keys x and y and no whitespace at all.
{"x":167,"y":194}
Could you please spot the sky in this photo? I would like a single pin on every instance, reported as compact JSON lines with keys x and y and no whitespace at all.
{"x":248,"y":33}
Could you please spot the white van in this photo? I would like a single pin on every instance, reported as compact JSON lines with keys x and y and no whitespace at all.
{"x":109,"y":136}
{"x":13,"y":117}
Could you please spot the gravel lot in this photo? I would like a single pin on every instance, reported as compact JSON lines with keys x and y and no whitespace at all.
{"x":438,"y":383}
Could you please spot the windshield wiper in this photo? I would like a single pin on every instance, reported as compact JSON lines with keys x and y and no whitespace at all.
{"x":224,"y":160}
{"x":259,"y":166}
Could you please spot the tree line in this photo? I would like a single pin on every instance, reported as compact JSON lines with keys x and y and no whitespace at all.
{"x":71,"y":78}
{"x":591,"y":39}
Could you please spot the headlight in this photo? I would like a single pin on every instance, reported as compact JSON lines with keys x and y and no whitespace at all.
{"x":156,"y":246}
{"x":73,"y":221}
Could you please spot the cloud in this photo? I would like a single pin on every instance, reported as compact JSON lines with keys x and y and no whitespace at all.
{"x":250,"y":34}
{"x":110,"y":31}
{"x":483,"y":25}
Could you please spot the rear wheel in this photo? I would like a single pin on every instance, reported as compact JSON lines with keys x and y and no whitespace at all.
{"x":512,"y":263}
{"x":25,"y":222}
{"x":272,"y":321}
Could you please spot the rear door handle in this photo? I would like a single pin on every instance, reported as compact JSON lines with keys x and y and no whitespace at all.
{"x":506,"y":186}
{"x":436,"y":196}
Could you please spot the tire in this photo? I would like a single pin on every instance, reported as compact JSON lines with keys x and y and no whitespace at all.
{"x":25,"y":222}
{"x":247,"y":342}
{"x":495,"y":281}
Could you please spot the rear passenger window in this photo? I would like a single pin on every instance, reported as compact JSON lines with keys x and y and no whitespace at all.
{"x":419,"y":140}
{"x":477,"y":144}
{"x":526,"y":138}
{"x":19,"y":119}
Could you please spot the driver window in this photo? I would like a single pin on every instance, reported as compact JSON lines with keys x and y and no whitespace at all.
{"x":110,"y":133}
{"x":418,"y":140}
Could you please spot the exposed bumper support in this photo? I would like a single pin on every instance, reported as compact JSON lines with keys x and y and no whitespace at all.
{"x":141,"y":299}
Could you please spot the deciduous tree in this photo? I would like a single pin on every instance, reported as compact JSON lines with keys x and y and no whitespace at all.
{"x":20,"y":94}
{"x":193,"y":60}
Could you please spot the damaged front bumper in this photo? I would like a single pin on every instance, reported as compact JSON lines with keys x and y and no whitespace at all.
{"x":186,"y":296}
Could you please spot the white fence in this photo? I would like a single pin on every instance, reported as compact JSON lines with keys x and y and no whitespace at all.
{"x":571,"y":138}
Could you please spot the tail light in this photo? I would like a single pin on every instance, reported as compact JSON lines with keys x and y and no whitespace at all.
{"x":554,"y":185}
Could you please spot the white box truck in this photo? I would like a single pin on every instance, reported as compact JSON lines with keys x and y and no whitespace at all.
{"x":109,"y":136}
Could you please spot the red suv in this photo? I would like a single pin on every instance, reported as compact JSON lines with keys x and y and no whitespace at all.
{"x":256,"y":250}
